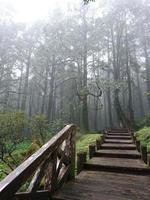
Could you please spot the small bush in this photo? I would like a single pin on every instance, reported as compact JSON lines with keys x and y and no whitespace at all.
{"x":144,"y":136}
{"x":39,"y":127}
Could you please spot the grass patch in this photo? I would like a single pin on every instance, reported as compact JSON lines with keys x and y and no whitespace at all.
{"x":85,"y":140}
{"x":144,"y":136}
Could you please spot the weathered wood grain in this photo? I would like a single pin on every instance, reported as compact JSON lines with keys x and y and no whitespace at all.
{"x":118,"y":141}
{"x":105,"y":186}
{"x":118,"y":146}
{"x":117,"y":153}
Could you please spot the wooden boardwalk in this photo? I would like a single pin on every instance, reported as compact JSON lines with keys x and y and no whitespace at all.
{"x":115,"y":172}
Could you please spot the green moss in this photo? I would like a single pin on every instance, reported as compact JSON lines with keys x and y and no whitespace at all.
{"x":85,"y":140}
{"x":144,"y":136}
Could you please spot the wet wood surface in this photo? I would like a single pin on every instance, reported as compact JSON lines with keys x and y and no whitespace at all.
{"x":118,"y":146}
{"x":105,"y":186}
{"x":118,"y":153}
{"x":119,"y":141}
{"x":118,"y":137}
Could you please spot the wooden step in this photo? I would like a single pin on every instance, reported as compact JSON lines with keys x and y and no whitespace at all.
{"x":118,"y":165}
{"x":118,"y":137}
{"x":120,"y":134}
{"x":130,"y":154}
{"x":94,"y":185}
{"x":118,"y":146}
{"x":118,"y":141}
{"x":120,"y":130}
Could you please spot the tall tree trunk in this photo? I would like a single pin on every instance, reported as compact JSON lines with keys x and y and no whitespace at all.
{"x":124,"y":122}
{"x":122,"y":119}
{"x":51,"y":92}
{"x":96,"y":113}
{"x":130,"y":106}
{"x":108,"y":92}
{"x":85,"y":98}
{"x":61,"y":102}
{"x":105,"y":110}
{"x":147,"y":63}
{"x":141,"y":106}
{"x":20,"y":87}
{"x":54,"y":105}
{"x":26,"y":82}
{"x":45,"y":91}
{"x":109,"y":108}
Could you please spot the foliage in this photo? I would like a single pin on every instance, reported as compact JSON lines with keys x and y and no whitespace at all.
{"x":12,"y":125}
{"x":56,"y":126}
{"x":139,"y":124}
{"x":144,"y":136}
{"x":39,"y":127}
{"x":85,"y":140}
{"x":147,"y":120}
{"x":34,"y":146}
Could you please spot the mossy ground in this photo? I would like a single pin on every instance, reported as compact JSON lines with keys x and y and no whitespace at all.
{"x":85,"y":140}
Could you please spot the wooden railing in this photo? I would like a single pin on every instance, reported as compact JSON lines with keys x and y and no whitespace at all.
{"x":45,"y":171}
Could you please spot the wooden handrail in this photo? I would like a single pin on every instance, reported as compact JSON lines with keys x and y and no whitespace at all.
{"x":52,"y":164}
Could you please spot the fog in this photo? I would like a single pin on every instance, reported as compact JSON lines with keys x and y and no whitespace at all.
{"x":87,"y":64}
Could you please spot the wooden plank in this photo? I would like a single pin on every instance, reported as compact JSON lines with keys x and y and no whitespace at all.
{"x":119,"y":134}
{"x":105,"y":186}
{"x":115,"y":153}
{"x":118,"y":141}
{"x":118,"y":146}
{"x":118,"y":137}
{"x":123,"y":165}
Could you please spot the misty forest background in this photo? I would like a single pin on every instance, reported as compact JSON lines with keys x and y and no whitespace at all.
{"x":88,"y":65}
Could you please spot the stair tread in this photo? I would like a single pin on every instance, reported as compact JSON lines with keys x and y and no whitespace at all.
{"x":118,"y":151}
{"x":117,"y":162}
{"x":119,"y":134}
{"x":121,"y":137}
{"x":118,"y":141}
{"x":121,"y":146}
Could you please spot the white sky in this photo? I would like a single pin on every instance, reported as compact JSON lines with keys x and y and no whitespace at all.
{"x":32,"y":10}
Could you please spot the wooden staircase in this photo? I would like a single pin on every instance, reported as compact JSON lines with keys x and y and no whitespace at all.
{"x":115,"y":172}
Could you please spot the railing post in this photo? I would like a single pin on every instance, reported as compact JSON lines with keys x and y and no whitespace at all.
{"x":98,"y":144}
{"x":148,"y":161}
{"x":102,"y":139}
{"x":137,"y":142}
{"x":73,"y":154}
{"x":144,"y":153}
{"x":134,"y":139}
{"x":132,"y":134}
{"x":91,"y":151}
{"x":81,"y":159}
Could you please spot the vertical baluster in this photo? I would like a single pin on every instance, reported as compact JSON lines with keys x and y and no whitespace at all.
{"x":91,"y":151}
{"x":73,"y":154}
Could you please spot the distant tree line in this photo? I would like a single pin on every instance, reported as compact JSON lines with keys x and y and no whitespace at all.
{"x":89,"y":66}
